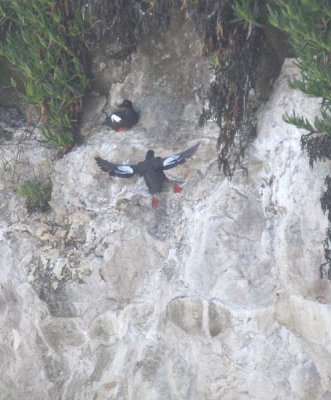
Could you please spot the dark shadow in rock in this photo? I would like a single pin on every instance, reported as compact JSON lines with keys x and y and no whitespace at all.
{"x":10,"y":306}
{"x":103,"y":357}
{"x":275,"y":49}
{"x":55,"y":370}
{"x":10,"y":118}
{"x":159,"y":225}
{"x":53,"y":292}
{"x":325,"y":268}
{"x":57,"y":300}
{"x":8,"y":95}
{"x":160,"y":229}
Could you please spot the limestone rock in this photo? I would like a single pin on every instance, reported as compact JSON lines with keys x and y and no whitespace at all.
{"x":214,"y":295}
{"x":187,"y":314}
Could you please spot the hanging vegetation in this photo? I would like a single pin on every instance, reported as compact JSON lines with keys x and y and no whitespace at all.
{"x":126,"y":22}
{"x":308,"y":25}
{"x":43,"y":40}
{"x":233,"y":47}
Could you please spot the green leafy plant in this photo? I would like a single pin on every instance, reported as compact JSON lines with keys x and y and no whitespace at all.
{"x":148,"y":3}
{"x":320,"y":125}
{"x":307,"y":24}
{"x":247,"y":12}
{"x":43,"y":43}
{"x":36,"y":194}
{"x":214,"y":62}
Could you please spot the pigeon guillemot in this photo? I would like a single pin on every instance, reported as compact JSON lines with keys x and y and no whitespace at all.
{"x":151,"y":169}
{"x":123,"y":118}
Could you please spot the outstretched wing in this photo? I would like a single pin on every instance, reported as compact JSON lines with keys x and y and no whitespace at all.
{"x":120,"y":170}
{"x":180,"y":158}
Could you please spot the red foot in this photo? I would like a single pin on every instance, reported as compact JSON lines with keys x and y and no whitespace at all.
{"x":177,"y":188}
{"x":155,"y":202}
{"x":122,"y":129}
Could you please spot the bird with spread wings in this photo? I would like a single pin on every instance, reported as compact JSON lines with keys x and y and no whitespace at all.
{"x":151,"y":169}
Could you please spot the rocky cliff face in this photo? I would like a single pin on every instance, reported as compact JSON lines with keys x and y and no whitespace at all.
{"x":214,"y":295}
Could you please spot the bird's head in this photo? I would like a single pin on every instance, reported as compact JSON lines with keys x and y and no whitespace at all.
{"x":149,"y":154}
{"x":126,"y":104}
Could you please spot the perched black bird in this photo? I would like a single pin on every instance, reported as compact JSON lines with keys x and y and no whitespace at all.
{"x":123,"y":118}
{"x":151,"y":169}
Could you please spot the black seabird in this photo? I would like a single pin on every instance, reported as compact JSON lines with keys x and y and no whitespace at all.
{"x":123,"y":118}
{"x":151,"y":169}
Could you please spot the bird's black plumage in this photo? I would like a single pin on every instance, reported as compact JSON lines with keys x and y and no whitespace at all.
{"x":123,"y":118}
{"x":151,"y":168}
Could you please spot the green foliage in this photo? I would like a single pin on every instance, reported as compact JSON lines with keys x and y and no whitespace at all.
{"x":149,"y":3}
{"x":247,"y":12}
{"x":300,"y":122}
{"x":43,"y":43}
{"x":307,"y":24}
{"x":214,"y":62}
{"x":36,"y":194}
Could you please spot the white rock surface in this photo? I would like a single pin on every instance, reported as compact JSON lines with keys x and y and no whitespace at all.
{"x":215,"y":295}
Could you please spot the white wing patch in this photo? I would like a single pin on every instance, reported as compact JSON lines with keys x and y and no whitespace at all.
{"x":115,"y":118}
{"x":170,"y":160}
{"x":125,"y":169}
